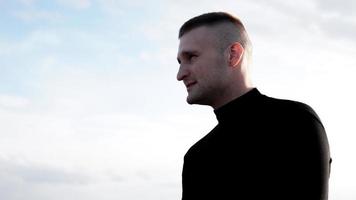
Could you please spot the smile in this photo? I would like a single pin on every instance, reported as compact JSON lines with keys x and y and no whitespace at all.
{"x":189,"y":85}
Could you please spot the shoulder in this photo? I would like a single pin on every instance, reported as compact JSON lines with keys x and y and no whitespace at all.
{"x":299,"y":120}
{"x":292,"y":108}
{"x":203,"y":145}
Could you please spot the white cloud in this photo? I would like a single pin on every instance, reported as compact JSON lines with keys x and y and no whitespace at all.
{"x":10,"y":101}
{"x":34,"y":44}
{"x":76,"y":4}
{"x":340,"y":7}
{"x":114,"y":8}
{"x":33,"y":173}
{"x":28,"y":2}
{"x":339,"y":27}
{"x":83,"y":152}
{"x":21,"y":179}
{"x":32,"y":15}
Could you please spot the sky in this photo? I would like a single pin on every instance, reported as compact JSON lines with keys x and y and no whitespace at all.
{"x":90,"y":107}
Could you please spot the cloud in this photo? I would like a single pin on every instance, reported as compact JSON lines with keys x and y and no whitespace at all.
{"x":27,"y":2}
{"x":114,"y":8}
{"x":30,"y":173}
{"x":34,"y":44}
{"x":10,"y":101}
{"x":129,"y":146}
{"x":21,"y":179}
{"x":75,"y":4}
{"x":335,"y":19}
{"x":32,"y":15}
{"x":344,"y":8}
{"x":339,"y":27}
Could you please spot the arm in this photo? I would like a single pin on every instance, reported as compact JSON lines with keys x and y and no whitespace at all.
{"x":309,"y":163}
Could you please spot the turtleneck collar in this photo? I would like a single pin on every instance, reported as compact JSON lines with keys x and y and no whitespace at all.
{"x":237,"y":106}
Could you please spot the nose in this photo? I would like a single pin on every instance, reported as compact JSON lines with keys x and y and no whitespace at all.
{"x":182,"y":73}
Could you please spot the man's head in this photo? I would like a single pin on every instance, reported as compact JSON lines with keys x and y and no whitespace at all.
{"x":213,"y":54}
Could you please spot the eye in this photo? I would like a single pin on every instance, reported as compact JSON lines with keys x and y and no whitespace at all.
{"x":192,"y":57}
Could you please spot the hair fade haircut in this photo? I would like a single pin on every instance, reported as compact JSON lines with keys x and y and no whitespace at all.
{"x":215,"y":18}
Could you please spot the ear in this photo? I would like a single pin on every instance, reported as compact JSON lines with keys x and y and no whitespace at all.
{"x":236,"y":52}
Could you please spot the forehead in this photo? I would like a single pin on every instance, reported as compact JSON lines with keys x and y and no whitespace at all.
{"x":197,"y":39}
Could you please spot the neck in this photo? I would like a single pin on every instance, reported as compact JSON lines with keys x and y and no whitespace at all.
{"x":231,"y":95}
{"x":238,"y":84}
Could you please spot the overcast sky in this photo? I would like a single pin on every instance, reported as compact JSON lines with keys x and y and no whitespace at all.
{"x":90,"y":107}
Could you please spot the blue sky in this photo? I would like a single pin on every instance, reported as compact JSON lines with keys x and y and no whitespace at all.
{"x":90,"y":107}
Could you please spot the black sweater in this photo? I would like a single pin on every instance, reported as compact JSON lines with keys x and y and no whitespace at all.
{"x":262,"y":148}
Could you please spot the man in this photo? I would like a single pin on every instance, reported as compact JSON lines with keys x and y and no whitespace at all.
{"x":262,"y":147}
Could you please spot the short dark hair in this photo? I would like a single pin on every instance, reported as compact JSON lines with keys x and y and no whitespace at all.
{"x":208,"y":19}
{"x":215,"y":18}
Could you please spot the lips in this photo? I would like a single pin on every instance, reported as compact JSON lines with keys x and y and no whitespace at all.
{"x":190,"y":84}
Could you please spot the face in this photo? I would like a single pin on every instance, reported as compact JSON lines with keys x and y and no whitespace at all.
{"x":203,"y":66}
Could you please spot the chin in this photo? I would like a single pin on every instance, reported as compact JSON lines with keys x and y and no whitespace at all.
{"x":190,"y":100}
{"x":194,"y":100}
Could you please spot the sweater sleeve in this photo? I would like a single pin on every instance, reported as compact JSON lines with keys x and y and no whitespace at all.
{"x":308,"y":163}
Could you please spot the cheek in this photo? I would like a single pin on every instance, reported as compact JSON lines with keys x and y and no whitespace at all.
{"x":198,"y":70}
{"x":206,"y":69}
